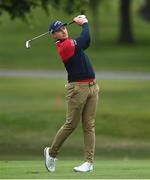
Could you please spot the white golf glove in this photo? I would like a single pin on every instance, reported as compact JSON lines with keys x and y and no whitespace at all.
{"x":81,"y":19}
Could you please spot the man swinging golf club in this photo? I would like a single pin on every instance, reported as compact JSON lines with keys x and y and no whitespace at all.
{"x":81,"y":92}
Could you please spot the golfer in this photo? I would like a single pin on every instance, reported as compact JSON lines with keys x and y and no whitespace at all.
{"x":81,"y":92}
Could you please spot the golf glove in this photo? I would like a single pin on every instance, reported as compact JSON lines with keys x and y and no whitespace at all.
{"x":81,"y":19}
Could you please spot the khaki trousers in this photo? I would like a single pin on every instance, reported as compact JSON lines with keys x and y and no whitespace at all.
{"x":82,"y":98}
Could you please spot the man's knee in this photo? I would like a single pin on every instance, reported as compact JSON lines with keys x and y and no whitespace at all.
{"x":89,"y":127}
{"x":70,"y":126}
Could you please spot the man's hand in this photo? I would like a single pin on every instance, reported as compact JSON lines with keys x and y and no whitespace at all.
{"x":81,"y":19}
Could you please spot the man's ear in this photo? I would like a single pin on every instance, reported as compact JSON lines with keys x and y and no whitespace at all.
{"x":53,"y":35}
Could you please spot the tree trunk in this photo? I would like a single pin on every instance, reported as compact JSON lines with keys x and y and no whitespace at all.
{"x":94,"y":6}
{"x":144,"y":11}
{"x":126,"y":36}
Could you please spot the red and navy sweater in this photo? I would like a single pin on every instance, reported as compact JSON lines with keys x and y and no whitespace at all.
{"x":75,"y":60}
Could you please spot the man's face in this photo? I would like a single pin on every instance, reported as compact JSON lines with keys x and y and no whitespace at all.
{"x":61,"y":33}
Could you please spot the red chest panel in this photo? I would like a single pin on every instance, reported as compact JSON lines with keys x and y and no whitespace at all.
{"x":66,"y":49}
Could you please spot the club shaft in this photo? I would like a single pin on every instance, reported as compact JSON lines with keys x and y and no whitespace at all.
{"x":40,"y":35}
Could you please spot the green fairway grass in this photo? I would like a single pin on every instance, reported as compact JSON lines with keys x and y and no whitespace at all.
{"x":33,"y":109}
{"x":103,"y":169}
{"x":107,"y":55}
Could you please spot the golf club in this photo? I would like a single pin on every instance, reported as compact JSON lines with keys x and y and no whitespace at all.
{"x":28,"y":42}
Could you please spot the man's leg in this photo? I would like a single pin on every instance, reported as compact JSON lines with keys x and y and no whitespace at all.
{"x":88,"y":122}
{"x":73,"y":118}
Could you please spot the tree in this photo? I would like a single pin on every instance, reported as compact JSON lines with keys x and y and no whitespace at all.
{"x":20,"y":9}
{"x":126,"y":35}
{"x":144,"y":11}
{"x":94,"y":7}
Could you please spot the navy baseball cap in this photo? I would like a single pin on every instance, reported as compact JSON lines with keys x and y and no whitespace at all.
{"x":54,"y":26}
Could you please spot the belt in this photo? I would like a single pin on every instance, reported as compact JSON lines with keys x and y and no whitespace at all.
{"x":92,"y":83}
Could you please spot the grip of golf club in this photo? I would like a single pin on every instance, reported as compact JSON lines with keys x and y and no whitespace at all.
{"x":71,"y":22}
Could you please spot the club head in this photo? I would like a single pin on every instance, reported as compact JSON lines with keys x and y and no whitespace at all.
{"x":28,"y":45}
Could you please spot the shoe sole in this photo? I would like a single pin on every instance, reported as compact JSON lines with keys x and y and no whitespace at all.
{"x":82,"y":171}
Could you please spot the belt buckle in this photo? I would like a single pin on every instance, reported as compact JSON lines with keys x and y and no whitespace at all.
{"x":91,"y":83}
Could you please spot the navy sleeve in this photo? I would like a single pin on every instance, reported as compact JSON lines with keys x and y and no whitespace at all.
{"x":83,"y":41}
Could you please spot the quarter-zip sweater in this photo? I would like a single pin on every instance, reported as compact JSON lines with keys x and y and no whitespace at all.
{"x":75,"y":60}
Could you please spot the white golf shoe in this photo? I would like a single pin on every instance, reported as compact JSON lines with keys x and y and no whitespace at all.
{"x":49,"y":161}
{"x":85,"y":167}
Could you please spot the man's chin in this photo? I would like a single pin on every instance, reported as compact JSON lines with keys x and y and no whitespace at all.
{"x":65,"y":37}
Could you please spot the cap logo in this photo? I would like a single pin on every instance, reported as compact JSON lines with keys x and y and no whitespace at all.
{"x":57,"y":23}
